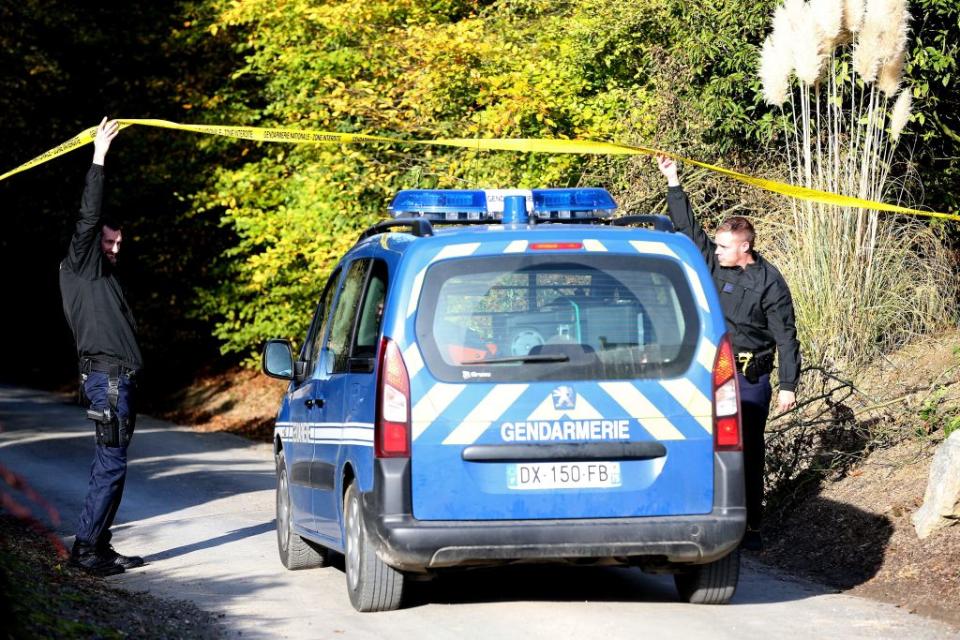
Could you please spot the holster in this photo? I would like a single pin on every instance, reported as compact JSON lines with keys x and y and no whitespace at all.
{"x":112,"y":430}
{"x":754,"y":365}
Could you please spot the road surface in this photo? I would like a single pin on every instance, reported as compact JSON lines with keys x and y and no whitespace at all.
{"x":200,"y":508}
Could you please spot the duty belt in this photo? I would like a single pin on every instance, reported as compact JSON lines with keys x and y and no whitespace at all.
{"x":104,"y":366}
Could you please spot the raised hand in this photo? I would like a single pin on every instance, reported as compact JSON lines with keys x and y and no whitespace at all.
{"x":107,"y":130}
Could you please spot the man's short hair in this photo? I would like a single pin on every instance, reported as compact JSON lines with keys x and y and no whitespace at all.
{"x":113,"y":223}
{"x":739,"y":224}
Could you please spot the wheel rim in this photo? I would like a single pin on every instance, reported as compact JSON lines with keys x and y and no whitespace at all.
{"x":353,"y":544}
{"x":283,"y":511}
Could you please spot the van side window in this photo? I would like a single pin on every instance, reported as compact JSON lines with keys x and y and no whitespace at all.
{"x":320,"y":321}
{"x":344,"y":315}
{"x":371,"y":312}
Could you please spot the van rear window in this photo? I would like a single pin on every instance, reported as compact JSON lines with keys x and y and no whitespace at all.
{"x":531,"y":318}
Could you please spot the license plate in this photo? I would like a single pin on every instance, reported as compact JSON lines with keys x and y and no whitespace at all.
{"x":564,"y":475}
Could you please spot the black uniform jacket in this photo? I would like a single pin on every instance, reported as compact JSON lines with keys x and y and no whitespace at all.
{"x":96,"y":309}
{"x":755,"y":299}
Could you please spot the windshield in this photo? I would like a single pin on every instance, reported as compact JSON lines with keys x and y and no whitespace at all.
{"x":550,"y":317}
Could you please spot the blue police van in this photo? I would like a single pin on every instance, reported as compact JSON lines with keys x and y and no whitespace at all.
{"x":506,"y":376}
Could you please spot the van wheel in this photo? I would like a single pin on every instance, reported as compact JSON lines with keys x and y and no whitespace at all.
{"x":711,"y":583}
{"x":295,"y":552}
{"x":373,"y":585}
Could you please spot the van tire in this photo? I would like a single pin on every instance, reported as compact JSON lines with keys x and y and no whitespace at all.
{"x":295,"y":552}
{"x":373,"y":585}
{"x":711,"y":583}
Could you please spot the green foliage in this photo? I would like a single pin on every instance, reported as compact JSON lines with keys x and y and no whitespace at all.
{"x":933,"y":69}
{"x":937,"y":413}
{"x":929,"y":411}
{"x":599,"y":69}
{"x":951,"y":425}
{"x":394,"y":67}
{"x":673,"y":73}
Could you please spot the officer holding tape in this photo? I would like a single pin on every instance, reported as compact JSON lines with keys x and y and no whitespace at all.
{"x":758,"y":309}
{"x":106,"y":337}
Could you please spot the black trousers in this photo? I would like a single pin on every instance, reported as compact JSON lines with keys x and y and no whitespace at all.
{"x":755,"y":406}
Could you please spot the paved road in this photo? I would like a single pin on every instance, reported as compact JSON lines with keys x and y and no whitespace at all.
{"x":199,"y":508}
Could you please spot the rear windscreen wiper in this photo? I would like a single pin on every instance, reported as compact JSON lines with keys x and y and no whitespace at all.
{"x":539,"y":357}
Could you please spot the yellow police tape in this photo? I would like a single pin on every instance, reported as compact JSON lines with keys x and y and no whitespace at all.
{"x":529,"y":145}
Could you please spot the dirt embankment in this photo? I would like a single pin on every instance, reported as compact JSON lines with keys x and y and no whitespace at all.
{"x":241,"y":401}
{"x":856,"y":535}
{"x":41,"y":597}
{"x":847,"y":523}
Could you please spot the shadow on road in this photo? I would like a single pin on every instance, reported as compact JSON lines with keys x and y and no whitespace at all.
{"x":565,"y":583}
{"x":544,"y":583}
{"x":232,"y":536}
{"x":170,"y":468}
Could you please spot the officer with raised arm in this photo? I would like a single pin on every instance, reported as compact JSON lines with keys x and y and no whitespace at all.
{"x":109,"y":358}
{"x":758,"y":310}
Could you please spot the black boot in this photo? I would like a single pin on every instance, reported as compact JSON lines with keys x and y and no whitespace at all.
{"x":85,"y":557}
{"x":107,"y":552}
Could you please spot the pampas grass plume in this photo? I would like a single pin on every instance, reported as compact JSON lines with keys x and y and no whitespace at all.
{"x":900,"y":116}
{"x":895,"y":16}
{"x":782,"y":27}
{"x":868,"y":52}
{"x":775,"y":67}
{"x":882,"y":40}
{"x":828,"y":15}
{"x":853,"y":11}
{"x":890,"y":74}
{"x":807,"y":58}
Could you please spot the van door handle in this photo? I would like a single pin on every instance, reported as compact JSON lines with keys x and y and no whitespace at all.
{"x":310,"y":402}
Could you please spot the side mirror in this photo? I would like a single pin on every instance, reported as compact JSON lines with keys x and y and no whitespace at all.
{"x":278,"y":359}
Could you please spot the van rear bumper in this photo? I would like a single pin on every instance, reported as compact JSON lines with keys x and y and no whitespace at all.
{"x":409,"y":544}
{"x":416,"y":545}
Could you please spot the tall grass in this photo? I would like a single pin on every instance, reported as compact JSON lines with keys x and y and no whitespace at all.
{"x":863,"y":282}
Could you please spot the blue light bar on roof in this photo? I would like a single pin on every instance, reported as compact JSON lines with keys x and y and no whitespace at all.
{"x":440,"y":204}
{"x":585,"y":202}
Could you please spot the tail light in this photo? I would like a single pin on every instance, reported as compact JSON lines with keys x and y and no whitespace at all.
{"x":726,"y":400}
{"x":392,"y":429}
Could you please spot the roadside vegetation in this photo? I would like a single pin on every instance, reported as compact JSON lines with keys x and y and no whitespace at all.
{"x":40,"y":597}
{"x":233,"y":238}
{"x":673,"y":74}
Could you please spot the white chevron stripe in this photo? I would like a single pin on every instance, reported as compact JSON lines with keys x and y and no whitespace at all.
{"x":415,"y":292}
{"x":432,"y":404}
{"x":706,"y":354}
{"x":517,"y":246}
{"x":487,"y":410}
{"x":414,"y":361}
{"x":692,"y":399}
{"x":593,"y":245}
{"x":450,"y":251}
{"x":657,"y":248}
{"x":640,"y":408}
{"x":698,"y":292}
